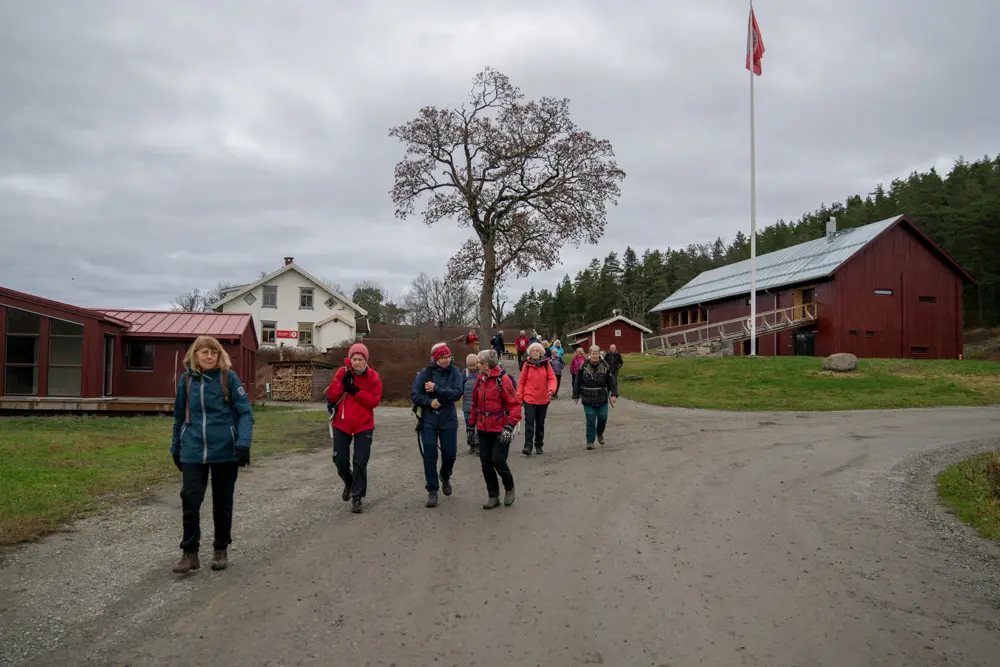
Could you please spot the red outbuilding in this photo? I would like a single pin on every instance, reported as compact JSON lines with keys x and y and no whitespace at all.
{"x":882,"y":290}
{"x":57,"y":356}
{"x":616,"y":330}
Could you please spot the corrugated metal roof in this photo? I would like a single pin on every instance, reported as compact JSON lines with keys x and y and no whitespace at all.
{"x":806,"y":261}
{"x":179,"y":324}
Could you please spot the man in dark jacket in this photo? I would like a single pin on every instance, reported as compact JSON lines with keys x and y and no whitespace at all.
{"x":614,"y":359}
{"x":434,"y":393}
{"x":497,"y":343}
{"x":597,"y":386}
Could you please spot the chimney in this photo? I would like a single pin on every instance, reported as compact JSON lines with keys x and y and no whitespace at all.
{"x":289,"y":260}
{"x":616,"y":312}
{"x":831,"y":228}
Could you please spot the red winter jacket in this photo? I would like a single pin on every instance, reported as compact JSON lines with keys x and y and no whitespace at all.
{"x":356,"y":413}
{"x":537,"y":382}
{"x":492,"y":409}
{"x":521,"y":343}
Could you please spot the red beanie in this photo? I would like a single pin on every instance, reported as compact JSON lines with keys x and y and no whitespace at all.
{"x":440,"y":350}
{"x":358,"y":348}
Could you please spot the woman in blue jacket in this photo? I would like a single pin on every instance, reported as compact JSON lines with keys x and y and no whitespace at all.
{"x":213,"y":426}
{"x":435,"y":391}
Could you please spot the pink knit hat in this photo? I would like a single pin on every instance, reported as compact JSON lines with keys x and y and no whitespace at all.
{"x":358,"y":348}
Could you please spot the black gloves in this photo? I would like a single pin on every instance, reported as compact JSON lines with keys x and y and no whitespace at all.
{"x":177,"y":462}
{"x":243,"y":456}
{"x":348,"y":382}
{"x":507,"y":434}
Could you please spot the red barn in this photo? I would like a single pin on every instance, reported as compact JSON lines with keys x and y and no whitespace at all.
{"x":881,"y":290}
{"x":57,"y":356}
{"x":618,"y":330}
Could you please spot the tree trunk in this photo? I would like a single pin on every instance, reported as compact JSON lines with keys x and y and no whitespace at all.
{"x":486,"y":296}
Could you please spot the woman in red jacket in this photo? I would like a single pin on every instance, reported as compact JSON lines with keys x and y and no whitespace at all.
{"x":535,"y":388}
{"x":495,"y":412}
{"x":355,"y":391}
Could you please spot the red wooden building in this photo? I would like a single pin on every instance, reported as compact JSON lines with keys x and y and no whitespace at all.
{"x":881,"y":290}
{"x":62,"y":357}
{"x":616,"y":330}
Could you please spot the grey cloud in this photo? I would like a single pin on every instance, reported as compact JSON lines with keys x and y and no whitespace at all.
{"x":148,"y":148}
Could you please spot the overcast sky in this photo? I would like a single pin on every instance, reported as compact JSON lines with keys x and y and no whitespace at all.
{"x":149,"y":147}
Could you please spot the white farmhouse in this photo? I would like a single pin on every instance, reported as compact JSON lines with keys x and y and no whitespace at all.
{"x":291,"y":307}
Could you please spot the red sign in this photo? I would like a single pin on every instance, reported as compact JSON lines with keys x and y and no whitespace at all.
{"x":280,"y":333}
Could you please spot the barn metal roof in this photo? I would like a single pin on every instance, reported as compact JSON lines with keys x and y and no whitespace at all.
{"x":798,"y":263}
{"x":181,"y":324}
{"x":594,"y":326}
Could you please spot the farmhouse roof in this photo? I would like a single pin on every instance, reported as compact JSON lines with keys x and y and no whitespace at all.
{"x":291,"y":266}
{"x":811,"y":260}
{"x":182,"y":324}
{"x":594,"y":326}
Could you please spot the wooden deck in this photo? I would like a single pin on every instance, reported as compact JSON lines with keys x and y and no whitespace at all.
{"x":125,"y":405}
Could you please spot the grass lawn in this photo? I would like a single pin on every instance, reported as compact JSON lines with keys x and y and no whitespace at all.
{"x":965,"y":487}
{"x":55,"y":468}
{"x":798,"y":383}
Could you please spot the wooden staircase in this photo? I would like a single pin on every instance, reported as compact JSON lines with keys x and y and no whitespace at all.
{"x":731,"y":331}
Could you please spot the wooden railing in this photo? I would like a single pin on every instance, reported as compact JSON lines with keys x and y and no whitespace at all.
{"x":731,"y":331}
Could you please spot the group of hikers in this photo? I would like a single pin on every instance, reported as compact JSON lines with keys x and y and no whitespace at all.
{"x":213,"y":423}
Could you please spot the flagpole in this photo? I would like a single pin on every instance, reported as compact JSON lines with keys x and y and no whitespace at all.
{"x":753,"y":206}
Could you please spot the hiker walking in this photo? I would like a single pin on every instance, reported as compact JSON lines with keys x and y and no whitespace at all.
{"x":535,"y":387}
{"x":498,"y":344}
{"x":596,"y":385}
{"x":469,"y":376}
{"x":521,"y":347}
{"x":578,"y":358}
{"x":614,"y":359}
{"x":495,"y":412}
{"x":354,"y":392}
{"x":558,"y":365}
{"x":434,"y":392}
{"x":213,"y":426}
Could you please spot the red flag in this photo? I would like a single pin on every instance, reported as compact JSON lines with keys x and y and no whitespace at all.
{"x":755,"y":45}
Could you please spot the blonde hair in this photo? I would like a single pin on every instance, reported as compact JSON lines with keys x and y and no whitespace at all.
{"x":536,"y":346}
{"x":207,"y":342}
{"x":579,"y":352}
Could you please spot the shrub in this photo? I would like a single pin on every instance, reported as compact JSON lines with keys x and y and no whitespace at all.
{"x":398,"y":363}
{"x":266,"y":355}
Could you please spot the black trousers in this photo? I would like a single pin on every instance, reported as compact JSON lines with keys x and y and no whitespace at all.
{"x":194,"y":482}
{"x":493,"y":457}
{"x":534,"y":424}
{"x":558,"y":384}
{"x":357,"y":478}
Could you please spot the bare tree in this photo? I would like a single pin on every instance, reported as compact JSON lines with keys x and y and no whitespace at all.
{"x":189,"y":301}
{"x":518,"y":173}
{"x":437,"y":300}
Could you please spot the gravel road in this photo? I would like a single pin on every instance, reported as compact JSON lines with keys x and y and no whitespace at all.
{"x":690,"y":538}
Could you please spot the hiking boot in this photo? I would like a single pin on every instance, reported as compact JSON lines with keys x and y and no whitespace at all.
{"x":538,"y":449}
{"x":432,"y":499}
{"x":187,"y":563}
{"x":472,"y":450}
{"x":446,"y":487}
{"x":508,"y":497}
{"x":491,"y":503}
{"x":220,"y":560}
{"x":346,"y":494}
{"x":590,"y":445}
{"x":600,"y":438}
{"x":356,"y":505}
{"x":527,"y":450}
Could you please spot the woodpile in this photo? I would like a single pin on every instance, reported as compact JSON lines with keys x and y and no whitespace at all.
{"x":291,"y":382}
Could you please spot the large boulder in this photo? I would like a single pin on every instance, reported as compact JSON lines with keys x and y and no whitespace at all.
{"x":841,"y":362}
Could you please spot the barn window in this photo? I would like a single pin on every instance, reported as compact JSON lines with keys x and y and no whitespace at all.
{"x":305,"y":333}
{"x":65,"y":358}
{"x":270,"y":294}
{"x":249,"y":299}
{"x":869,"y":334}
{"x":139,"y":356}
{"x":268,"y":332}
{"x":306,"y":297}
{"x":883,"y":292}
{"x":618,"y":333}
{"x":330,"y":303}
{"x":919,"y":349}
{"x":928,"y":299}
{"x":21,"y":363}
{"x":852,"y":332}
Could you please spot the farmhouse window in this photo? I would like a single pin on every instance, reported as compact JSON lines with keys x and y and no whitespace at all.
{"x":249,"y":299}
{"x":139,"y":356}
{"x":65,"y":358}
{"x":268,"y":332}
{"x":618,"y":333}
{"x":306,"y":297}
{"x":330,"y":303}
{"x":270,"y":294}
{"x":928,"y":299}
{"x":305,"y":333}
{"x":21,"y":364}
{"x":883,"y":292}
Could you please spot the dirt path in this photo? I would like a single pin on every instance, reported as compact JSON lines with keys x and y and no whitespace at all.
{"x":689,"y":538}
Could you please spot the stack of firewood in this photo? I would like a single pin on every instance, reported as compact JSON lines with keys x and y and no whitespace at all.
{"x":292,"y":383}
